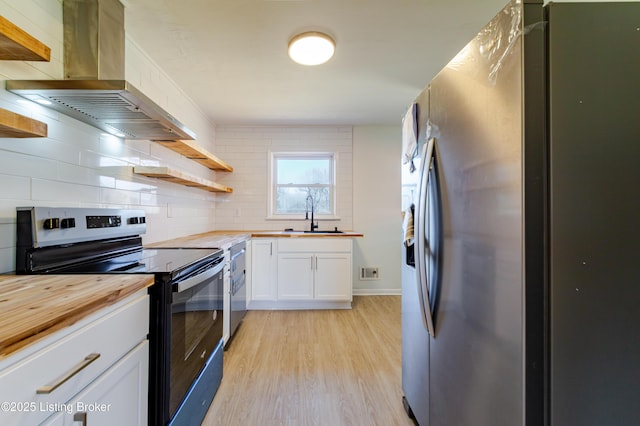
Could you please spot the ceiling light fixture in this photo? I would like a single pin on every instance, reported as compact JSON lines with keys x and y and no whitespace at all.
{"x":311,"y":48}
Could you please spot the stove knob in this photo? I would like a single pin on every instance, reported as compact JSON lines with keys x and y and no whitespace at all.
{"x":133,"y":221}
{"x":51,"y":223}
{"x":68,"y":222}
{"x":143,"y":219}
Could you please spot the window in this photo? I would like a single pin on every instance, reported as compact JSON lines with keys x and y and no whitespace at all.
{"x":296,"y":176}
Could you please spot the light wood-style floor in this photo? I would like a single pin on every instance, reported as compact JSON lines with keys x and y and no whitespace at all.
{"x":321,"y":367}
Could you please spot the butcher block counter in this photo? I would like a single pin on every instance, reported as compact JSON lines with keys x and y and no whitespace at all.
{"x":34,"y":306}
{"x":213,"y":239}
{"x":225,"y":239}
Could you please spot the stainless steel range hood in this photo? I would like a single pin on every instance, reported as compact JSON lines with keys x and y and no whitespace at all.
{"x":94,"y":90}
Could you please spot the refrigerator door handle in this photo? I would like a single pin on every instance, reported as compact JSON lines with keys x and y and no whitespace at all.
{"x":420,"y":228}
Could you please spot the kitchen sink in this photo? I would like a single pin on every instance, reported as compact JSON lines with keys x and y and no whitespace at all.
{"x":333,"y":231}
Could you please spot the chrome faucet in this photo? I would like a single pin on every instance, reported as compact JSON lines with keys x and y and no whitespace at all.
{"x":306,"y":216}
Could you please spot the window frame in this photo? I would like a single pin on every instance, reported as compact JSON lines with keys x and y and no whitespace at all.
{"x":272,"y":214}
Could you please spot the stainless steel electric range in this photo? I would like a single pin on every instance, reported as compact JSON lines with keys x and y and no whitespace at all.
{"x":186,"y":346}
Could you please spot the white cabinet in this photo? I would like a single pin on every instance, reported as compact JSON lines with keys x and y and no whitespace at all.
{"x":263,"y":270}
{"x":118,"y":397}
{"x":295,"y":276}
{"x":301,"y":273}
{"x":104,"y":362}
{"x":333,"y":279}
{"x":315,"y":270}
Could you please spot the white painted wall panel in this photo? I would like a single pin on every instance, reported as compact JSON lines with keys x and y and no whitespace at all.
{"x":377,"y":210}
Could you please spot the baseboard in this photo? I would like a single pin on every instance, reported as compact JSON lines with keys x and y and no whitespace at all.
{"x":283,"y":305}
{"x":377,"y":291}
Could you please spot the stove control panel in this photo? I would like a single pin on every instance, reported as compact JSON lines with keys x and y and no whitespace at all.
{"x":136,"y":220}
{"x":56,"y":222}
{"x":103,"y":221}
{"x":68,"y":222}
{"x":51,"y":223}
{"x":62,"y":225}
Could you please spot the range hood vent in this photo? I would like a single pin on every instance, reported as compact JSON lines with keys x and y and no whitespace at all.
{"x":95,"y":90}
{"x":114,"y":106}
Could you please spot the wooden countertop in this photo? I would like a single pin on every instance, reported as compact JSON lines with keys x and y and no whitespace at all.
{"x":35,"y":306}
{"x":225,"y":239}
{"x":213,"y":239}
{"x":302,"y":234}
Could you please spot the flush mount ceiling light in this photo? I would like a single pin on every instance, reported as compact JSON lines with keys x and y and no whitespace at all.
{"x":311,"y":48}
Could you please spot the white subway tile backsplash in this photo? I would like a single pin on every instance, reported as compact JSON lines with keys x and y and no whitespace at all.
{"x":191,"y":212}
{"x":35,"y":15}
{"x":72,"y":174}
{"x":7,"y":233}
{"x":119,"y":197}
{"x":66,"y":129}
{"x":140,"y":146}
{"x":148,"y":199}
{"x":46,"y":148}
{"x":8,"y":212}
{"x":15,"y":187}
{"x":251,"y":165}
{"x":248,"y":148}
{"x":56,"y":191}
{"x":16,"y":163}
{"x":156,"y":84}
{"x":8,"y":259}
{"x":133,"y":186}
{"x":96,"y":160}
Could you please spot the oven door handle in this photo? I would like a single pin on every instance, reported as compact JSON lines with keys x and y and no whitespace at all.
{"x":195,"y":280}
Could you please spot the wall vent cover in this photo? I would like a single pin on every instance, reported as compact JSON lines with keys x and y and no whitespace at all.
{"x":369,"y":273}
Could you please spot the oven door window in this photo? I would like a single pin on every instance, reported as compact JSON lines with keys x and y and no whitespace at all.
{"x":196,"y":329}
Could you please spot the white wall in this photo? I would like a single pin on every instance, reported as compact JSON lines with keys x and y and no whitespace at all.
{"x":76,"y":165}
{"x":377,"y":210}
{"x":248,"y":147}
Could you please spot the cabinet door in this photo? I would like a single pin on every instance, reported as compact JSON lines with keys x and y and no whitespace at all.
{"x":295,"y":276}
{"x":333,"y":276}
{"x":263,"y":269}
{"x":118,"y":397}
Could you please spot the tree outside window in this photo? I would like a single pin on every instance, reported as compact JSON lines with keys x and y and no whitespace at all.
{"x":296,"y":176}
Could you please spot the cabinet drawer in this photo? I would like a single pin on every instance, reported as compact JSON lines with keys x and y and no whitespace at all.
{"x":314,"y":244}
{"x":110,"y":336}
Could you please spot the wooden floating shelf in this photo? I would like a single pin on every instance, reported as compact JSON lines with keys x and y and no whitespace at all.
{"x":178,"y":177}
{"x":14,"y":125}
{"x":18,"y":45}
{"x":197,"y":153}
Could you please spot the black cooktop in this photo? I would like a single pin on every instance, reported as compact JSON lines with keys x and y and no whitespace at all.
{"x":148,"y":261}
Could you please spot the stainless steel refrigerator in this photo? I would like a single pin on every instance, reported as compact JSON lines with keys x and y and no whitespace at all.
{"x":522,"y":304}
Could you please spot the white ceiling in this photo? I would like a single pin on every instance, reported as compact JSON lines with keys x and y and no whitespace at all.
{"x":230,"y":56}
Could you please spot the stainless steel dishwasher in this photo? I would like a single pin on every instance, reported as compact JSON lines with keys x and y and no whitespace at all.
{"x":237,"y":287}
